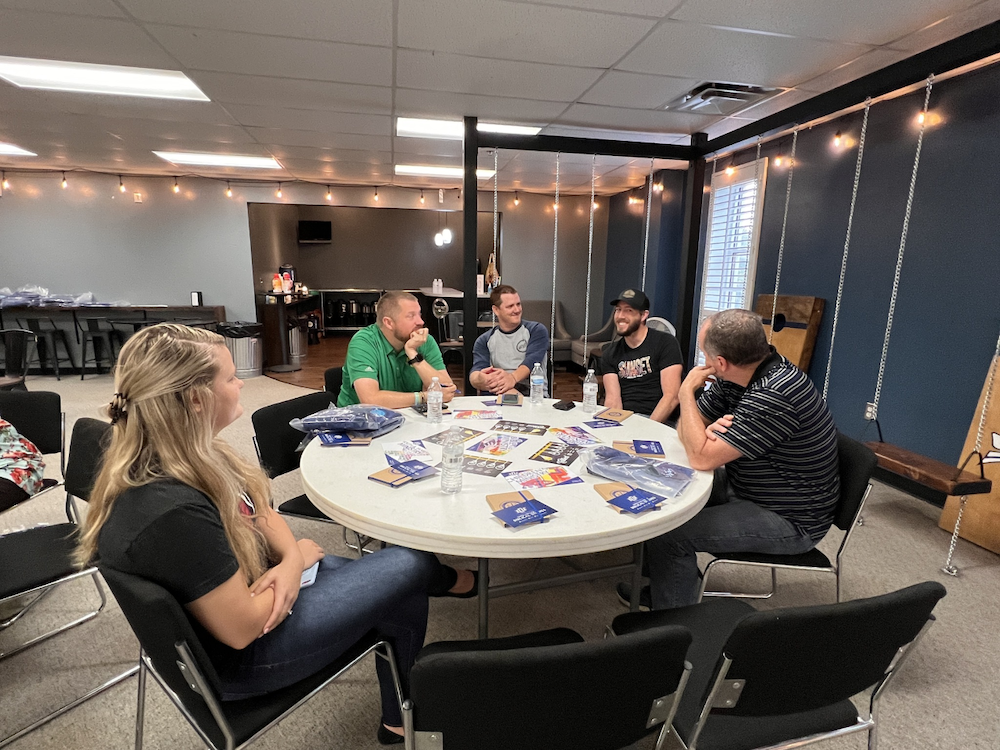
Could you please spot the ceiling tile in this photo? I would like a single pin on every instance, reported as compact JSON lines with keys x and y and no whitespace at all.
{"x":515,"y":31}
{"x":230,"y":52}
{"x":428,"y":146}
{"x":879,"y":23}
{"x":327,"y":154}
{"x":309,"y":119}
{"x":948,"y":28}
{"x":101,"y":8}
{"x":591,"y":115}
{"x":291,"y":92}
{"x":441,"y":104}
{"x":320,"y":140}
{"x":694,"y":51}
{"x":338,"y":171}
{"x":617,"y":135}
{"x":651,"y":8}
{"x":81,"y":39}
{"x":636,"y":90}
{"x":478,"y":75}
{"x":860,"y":66}
{"x":368,"y":22}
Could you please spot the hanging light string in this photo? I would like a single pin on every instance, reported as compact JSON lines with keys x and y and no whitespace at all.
{"x":555,"y":258}
{"x":645,"y":244}
{"x":784,"y":224}
{"x":590,"y":254}
{"x":847,"y":244}
{"x":902,"y":247}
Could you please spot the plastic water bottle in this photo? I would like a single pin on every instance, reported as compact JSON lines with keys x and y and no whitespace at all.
{"x":435,"y":399}
{"x":590,"y":393}
{"x":452,"y":451}
{"x":537,"y":384}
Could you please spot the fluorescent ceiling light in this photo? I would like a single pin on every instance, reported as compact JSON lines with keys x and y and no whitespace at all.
{"x":453,"y":129}
{"x":425,"y":170}
{"x":9,"y":149}
{"x":57,"y":75}
{"x":219,"y":160}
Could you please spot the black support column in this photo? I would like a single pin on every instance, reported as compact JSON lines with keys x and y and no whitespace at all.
{"x":470,"y":233}
{"x":694,"y":200}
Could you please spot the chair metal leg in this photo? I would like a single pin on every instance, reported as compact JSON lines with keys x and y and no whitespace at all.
{"x":140,"y":703}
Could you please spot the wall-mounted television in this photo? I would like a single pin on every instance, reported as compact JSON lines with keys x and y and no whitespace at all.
{"x":315,"y":232}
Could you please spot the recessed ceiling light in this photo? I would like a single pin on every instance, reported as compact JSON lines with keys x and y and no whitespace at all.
{"x":219,"y":160}
{"x":426,"y":170}
{"x":88,"y":78}
{"x":453,"y":129}
{"x":9,"y":149}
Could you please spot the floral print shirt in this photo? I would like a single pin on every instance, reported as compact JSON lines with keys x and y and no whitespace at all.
{"x":20,"y":460}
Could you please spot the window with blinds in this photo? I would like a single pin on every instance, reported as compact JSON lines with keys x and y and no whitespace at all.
{"x":731,"y":245}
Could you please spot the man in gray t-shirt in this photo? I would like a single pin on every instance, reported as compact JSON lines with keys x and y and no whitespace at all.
{"x":504,"y":355}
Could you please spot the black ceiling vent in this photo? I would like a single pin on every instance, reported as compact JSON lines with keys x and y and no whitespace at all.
{"x":720,"y":98}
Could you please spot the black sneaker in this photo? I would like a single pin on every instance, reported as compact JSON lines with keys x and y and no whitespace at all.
{"x":625,"y":595}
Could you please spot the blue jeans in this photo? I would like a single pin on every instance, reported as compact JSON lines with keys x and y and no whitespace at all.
{"x":386,"y":591}
{"x":727,"y":524}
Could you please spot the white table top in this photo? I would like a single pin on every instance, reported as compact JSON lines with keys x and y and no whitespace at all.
{"x":420,"y":516}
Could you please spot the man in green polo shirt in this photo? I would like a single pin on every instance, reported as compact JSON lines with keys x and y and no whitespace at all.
{"x":391,"y":362}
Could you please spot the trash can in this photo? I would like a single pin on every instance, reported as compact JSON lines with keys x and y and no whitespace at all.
{"x":296,"y":346}
{"x":245,"y":342}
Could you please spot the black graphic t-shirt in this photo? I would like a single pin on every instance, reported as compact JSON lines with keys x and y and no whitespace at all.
{"x":639,"y":369}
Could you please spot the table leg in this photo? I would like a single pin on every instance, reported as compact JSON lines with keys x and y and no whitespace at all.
{"x":484,"y":597}
{"x":637,"y":552}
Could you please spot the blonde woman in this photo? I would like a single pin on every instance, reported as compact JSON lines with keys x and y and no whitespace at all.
{"x":175,"y":504}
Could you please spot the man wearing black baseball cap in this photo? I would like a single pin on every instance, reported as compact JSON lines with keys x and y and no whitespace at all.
{"x":642,"y":369}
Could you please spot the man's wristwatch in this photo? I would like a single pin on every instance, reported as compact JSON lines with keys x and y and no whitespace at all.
{"x":417,"y":358}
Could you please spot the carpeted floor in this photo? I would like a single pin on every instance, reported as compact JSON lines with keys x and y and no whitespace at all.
{"x":946,"y":696}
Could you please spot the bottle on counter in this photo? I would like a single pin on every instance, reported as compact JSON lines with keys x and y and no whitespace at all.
{"x":537,"y":380}
{"x":452,"y":451}
{"x":590,"y":393}
{"x":286,"y":282}
{"x":435,"y":401}
{"x":276,"y":284}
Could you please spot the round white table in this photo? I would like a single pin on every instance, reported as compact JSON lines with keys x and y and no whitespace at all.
{"x":420,"y":516}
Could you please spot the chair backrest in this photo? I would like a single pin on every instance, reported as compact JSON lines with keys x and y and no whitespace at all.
{"x":37,"y":415}
{"x":804,"y":658}
{"x":333,"y":379}
{"x":661,"y":324}
{"x":454,"y":324}
{"x":595,"y":695}
{"x":857,"y":462}
{"x":17,"y":348}
{"x":87,"y":444}
{"x":276,"y":440}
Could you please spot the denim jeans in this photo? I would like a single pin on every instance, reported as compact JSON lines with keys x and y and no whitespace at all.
{"x":386,"y":591}
{"x":726,"y":524}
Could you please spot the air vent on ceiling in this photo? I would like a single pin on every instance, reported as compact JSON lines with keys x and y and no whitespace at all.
{"x":720,"y":98}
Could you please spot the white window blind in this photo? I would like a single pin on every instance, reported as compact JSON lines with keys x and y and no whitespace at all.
{"x":731,"y":245}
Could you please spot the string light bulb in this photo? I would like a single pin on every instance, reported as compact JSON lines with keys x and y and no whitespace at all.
{"x":838,"y":139}
{"x":421,"y":197}
{"x":517,"y":201}
{"x":778,"y":159}
{"x":176,"y":188}
{"x":596,"y":206}
{"x":439,"y":239}
{"x":121,"y":185}
{"x":730,"y":170}
{"x":229,"y":190}
{"x":921,"y":117}
{"x":64,"y":183}
{"x":329,"y":193}
{"x":6,"y":182}
{"x":376,"y":194}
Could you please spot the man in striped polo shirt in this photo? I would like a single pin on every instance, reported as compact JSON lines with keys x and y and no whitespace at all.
{"x":765,"y":430}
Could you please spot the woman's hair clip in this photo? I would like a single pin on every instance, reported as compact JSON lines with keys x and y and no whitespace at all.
{"x":116,"y":409}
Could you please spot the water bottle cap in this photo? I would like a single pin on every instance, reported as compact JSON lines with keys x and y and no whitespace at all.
{"x":435,"y":380}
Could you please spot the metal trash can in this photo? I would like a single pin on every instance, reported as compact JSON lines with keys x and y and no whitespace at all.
{"x":245,"y":342}
{"x":296,"y":347}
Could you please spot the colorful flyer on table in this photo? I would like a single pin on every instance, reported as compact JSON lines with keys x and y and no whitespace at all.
{"x":574,"y":436}
{"x":406,"y":450}
{"x":627,"y":499}
{"x":560,"y":454}
{"x":520,"y":428}
{"x":518,"y":508}
{"x":497,"y":445}
{"x":615,"y":415}
{"x":630,"y":447}
{"x":413,"y":469}
{"x":467,"y":434}
{"x":533,"y":479}
{"x":478,"y":414}
{"x":599,"y":423}
{"x":487,"y":467}
{"x":341,"y":438}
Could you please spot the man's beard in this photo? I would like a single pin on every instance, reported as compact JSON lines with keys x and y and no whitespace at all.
{"x":633,"y":327}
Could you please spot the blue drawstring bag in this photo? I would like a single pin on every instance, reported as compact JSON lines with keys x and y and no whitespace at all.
{"x":660,"y":477}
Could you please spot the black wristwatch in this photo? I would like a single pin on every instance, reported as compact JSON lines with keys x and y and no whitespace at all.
{"x":418,"y":358}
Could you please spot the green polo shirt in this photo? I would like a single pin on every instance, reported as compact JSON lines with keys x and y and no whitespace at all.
{"x":370,"y":355}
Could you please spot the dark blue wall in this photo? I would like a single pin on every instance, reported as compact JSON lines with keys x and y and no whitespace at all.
{"x":947,"y":315}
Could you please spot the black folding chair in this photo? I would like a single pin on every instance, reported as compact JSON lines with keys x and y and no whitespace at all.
{"x":38,"y":416}
{"x":857,"y":462}
{"x":35,"y":561}
{"x":784,"y":678}
{"x":333,"y":379}
{"x":173,"y":653}
{"x":546,"y":691}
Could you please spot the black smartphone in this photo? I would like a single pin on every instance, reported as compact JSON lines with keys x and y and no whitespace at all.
{"x":510,"y":399}
{"x":564,"y":405}
{"x":422,"y":408}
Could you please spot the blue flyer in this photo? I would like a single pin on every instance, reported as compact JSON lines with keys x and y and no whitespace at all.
{"x":530,"y":511}
{"x":637,"y":501}
{"x":413,"y":469}
{"x":648,"y":447}
{"x":599,"y":423}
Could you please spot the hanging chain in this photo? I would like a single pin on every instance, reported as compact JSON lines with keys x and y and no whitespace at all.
{"x":590,"y":255}
{"x":847,"y":244}
{"x":555,"y":258}
{"x":948,"y":567}
{"x":873,"y":410}
{"x":645,"y":245}
{"x":784,"y":224}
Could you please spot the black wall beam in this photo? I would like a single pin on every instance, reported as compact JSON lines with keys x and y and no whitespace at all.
{"x":470,"y":235}
{"x":694,"y":201}
{"x":567,"y":145}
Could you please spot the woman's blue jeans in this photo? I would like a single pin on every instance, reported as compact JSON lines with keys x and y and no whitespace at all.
{"x":386,"y":591}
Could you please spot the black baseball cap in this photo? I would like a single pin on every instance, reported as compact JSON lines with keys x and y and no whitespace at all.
{"x":634,"y":298}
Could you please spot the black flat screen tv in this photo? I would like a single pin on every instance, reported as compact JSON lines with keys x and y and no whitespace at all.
{"x":315,"y":232}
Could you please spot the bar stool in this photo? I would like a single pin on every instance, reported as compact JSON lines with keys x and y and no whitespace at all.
{"x":98,"y":333}
{"x":17,"y":349}
{"x":48,"y":336}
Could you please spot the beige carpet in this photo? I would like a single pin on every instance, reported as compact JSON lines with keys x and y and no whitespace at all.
{"x":947,"y":695}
